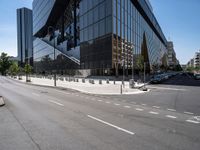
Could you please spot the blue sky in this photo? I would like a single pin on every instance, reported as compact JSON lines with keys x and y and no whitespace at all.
{"x":8,"y":28}
{"x":179,"y":20}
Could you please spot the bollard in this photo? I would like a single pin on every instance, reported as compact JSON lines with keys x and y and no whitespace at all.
{"x":100,"y":81}
{"x":121,"y":89}
{"x":107,"y":81}
{"x":83,"y":80}
{"x":113,"y":81}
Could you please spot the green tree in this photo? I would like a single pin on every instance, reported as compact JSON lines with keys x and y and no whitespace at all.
{"x":27,"y":70}
{"x":14,"y":69}
{"x":4,"y":63}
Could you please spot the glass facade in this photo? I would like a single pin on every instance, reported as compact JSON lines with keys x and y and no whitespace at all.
{"x":134,"y":35}
{"x":24,"y":36}
{"x":109,"y":34}
{"x":96,"y":34}
{"x":44,"y":61}
{"x":41,"y":12}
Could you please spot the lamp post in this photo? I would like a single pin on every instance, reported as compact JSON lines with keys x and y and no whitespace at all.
{"x":132,"y":66}
{"x":144,"y":74}
{"x":51,"y":33}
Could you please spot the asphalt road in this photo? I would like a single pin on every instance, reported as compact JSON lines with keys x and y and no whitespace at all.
{"x":181,"y":93}
{"x":42,"y":118}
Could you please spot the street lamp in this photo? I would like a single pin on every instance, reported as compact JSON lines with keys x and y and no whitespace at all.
{"x":51,"y":33}
{"x":132,"y":67}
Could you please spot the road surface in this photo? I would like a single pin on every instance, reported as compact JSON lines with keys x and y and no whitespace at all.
{"x":42,"y":118}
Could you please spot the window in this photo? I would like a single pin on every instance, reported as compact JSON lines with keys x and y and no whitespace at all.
{"x":102,"y":27}
{"x":95,"y":14}
{"x":102,"y":11}
{"x":96,"y":30}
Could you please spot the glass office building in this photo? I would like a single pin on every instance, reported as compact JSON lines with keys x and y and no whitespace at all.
{"x":104,"y":36}
{"x":24,"y":36}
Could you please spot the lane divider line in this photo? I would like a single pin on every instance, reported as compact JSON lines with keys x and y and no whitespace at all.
{"x":144,"y":104}
{"x":127,"y":106}
{"x":139,"y":109}
{"x":107,"y":102}
{"x":189,"y":113}
{"x":171,"y":109}
{"x":99,"y":100}
{"x":52,"y":101}
{"x":111,"y":125}
{"x":153,"y":112}
{"x":193,"y":121}
{"x":116,"y":104}
{"x":169,"y":116}
{"x":156,"y":107}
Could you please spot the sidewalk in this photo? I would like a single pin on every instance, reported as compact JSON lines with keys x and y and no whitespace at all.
{"x":96,"y":88}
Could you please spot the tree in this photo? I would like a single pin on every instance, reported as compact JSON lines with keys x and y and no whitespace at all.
{"x":27,"y":70}
{"x":4,"y":63}
{"x":14,"y":69}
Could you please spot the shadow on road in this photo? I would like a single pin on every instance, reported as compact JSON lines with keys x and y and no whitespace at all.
{"x":182,"y":79}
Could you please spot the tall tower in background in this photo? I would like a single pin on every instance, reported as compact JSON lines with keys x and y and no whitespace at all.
{"x":25,"y":36}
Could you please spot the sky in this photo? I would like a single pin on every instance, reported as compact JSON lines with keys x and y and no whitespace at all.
{"x":8,"y":27}
{"x":179,"y":20}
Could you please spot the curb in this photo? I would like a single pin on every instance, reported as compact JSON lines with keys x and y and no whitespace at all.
{"x":75,"y":90}
{"x":2,"y":103}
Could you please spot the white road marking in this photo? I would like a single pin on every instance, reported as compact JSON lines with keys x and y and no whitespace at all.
{"x":153,"y":112}
{"x":35,"y":94}
{"x":111,"y":125}
{"x":144,"y":104}
{"x":169,"y":116}
{"x":171,"y":109}
{"x":139,"y":109}
{"x":156,"y":107}
{"x":193,"y":121}
{"x":116,"y":104}
{"x":52,"y":101}
{"x":165,"y":88}
{"x":197,"y":118}
{"x":107,"y":102}
{"x":127,"y":106}
{"x":100,"y":100}
{"x":189,"y":113}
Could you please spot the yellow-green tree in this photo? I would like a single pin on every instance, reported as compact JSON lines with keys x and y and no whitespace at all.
{"x":27,"y":70}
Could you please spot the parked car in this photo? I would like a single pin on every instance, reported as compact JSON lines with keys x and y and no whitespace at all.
{"x":156,"y":79}
{"x":197,"y":76}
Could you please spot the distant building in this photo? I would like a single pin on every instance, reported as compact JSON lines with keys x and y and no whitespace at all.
{"x":190,"y":63}
{"x":197,"y":59}
{"x":183,"y":66}
{"x":172,"y":60}
{"x":25,"y":36}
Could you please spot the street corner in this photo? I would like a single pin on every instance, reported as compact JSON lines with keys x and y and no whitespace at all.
{"x":2,"y":103}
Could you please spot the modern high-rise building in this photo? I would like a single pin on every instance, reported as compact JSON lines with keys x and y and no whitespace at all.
{"x":172,"y":60}
{"x":102,"y":36}
{"x":25,"y":36}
